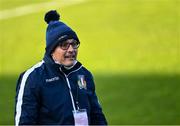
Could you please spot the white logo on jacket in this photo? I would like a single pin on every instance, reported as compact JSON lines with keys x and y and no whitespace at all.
{"x":52,"y":79}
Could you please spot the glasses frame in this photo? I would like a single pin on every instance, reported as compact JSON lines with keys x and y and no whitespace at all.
{"x":60,"y":44}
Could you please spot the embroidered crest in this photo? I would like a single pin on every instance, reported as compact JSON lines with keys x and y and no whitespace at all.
{"x":81,"y":82}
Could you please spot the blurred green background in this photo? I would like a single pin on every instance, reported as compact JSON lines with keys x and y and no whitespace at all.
{"x":132,"y":48}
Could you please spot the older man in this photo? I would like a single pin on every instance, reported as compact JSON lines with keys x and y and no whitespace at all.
{"x":58,"y":90}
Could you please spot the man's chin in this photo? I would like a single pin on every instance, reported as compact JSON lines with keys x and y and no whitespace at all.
{"x":69,"y":63}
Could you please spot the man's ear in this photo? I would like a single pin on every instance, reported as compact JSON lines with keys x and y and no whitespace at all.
{"x":52,"y":55}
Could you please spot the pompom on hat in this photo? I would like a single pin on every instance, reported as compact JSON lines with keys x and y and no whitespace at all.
{"x":56,"y":31}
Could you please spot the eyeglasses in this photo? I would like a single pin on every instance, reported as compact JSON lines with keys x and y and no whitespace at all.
{"x":65,"y":45}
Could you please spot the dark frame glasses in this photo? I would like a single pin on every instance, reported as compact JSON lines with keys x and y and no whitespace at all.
{"x":65,"y":45}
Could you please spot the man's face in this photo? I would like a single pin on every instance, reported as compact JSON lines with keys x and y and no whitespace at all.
{"x":66,"y":52}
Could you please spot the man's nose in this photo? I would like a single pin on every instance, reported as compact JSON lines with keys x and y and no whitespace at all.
{"x":70,"y":48}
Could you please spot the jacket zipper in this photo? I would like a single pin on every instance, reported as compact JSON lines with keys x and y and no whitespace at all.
{"x":70,"y":91}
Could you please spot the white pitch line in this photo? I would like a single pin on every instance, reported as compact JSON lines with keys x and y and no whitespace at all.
{"x":34,"y":8}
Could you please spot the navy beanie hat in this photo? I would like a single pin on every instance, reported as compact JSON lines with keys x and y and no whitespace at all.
{"x":56,"y":31}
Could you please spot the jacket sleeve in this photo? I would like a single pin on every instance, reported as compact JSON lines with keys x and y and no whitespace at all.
{"x":26,"y":102}
{"x":96,"y":115}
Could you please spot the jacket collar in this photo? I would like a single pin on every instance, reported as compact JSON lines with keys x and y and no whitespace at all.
{"x":58,"y":67}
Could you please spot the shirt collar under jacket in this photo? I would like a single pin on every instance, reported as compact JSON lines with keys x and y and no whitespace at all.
{"x":50,"y":62}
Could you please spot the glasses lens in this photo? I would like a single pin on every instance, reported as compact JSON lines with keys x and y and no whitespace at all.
{"x":64,"y":45}
{"x":75,"y":44}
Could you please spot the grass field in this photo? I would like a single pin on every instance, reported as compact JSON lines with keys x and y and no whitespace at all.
{"x":131,"y":46}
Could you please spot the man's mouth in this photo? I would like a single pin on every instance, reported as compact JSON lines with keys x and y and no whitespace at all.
{"x":70,"y":57}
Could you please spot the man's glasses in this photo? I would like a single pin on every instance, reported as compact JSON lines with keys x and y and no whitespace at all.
{"x":65,"y":45}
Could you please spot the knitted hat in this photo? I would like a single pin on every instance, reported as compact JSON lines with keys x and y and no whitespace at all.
{"x":56,"y":31}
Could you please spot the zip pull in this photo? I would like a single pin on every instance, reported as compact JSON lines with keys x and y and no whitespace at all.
{"x":77,"y":104}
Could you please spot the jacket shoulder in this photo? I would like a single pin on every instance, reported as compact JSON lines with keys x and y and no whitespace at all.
{"x":87,"y":72}
{"x":32,"y":74}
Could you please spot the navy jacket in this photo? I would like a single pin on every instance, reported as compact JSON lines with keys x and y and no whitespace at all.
{"x":42,"y":95}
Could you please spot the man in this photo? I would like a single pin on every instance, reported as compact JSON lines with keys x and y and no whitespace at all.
{"x":58,"y":90}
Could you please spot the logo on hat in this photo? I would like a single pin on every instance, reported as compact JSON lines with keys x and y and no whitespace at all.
{"x":81,"y":82}
{"x":62,"y":37}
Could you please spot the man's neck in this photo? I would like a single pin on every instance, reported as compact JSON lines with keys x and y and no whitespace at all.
{"x":69,"y":67}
